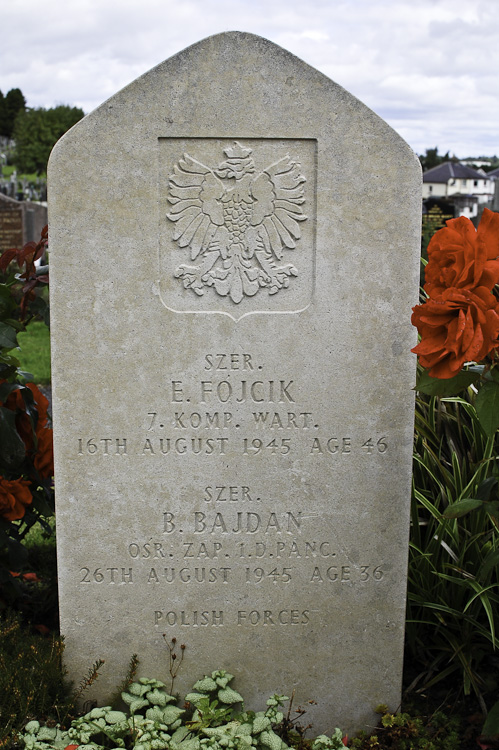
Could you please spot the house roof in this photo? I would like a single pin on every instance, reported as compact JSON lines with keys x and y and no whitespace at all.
{"x":450,"y":170}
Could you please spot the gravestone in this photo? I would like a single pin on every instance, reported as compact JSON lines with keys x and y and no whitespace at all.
{"x":20,"y":222}
{"x":11,"y":223}
{"x":234,"y":256}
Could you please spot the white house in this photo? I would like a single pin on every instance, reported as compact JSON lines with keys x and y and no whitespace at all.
{"x":463,"y":186}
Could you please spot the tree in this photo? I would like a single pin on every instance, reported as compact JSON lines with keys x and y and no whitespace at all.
{"x":10,"y":106}
{"x":432,"y":158}
{"x":36,"y":131}
{"x":2,"y":113}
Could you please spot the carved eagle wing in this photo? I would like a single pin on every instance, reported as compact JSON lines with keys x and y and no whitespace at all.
{"x":195,"y":194}
{"x":278,"y":192}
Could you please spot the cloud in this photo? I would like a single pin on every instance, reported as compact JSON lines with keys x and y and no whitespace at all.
{"x":428,"y":67}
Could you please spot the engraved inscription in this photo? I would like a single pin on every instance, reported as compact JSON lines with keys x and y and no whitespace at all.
{"x":236,"y":222}
{"x":193,"y":619}
{"x":231,"y":407}
{"x":11,"y":227}
{"x":106,"y":575}
{"x":268,"y":617}
{"x":229,"y":533}
{"x":242,"y":617}
{"x":215,"y":402}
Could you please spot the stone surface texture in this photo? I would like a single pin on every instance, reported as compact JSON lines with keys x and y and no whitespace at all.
{"x":234,"y":248}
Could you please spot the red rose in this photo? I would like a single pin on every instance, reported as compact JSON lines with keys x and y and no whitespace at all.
{"x":14,"y":497}
{"x":461,"y":257}
{"x":15,"y":402}
{"x":44,"y":456}
{"x":458,"y":326}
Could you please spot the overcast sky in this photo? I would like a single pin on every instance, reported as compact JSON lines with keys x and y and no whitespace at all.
{"x":428,"y":67}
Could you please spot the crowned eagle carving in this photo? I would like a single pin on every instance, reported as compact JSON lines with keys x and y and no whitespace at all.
{"x":237,"y":223}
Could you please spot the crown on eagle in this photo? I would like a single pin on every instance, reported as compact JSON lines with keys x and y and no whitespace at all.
{"x":237,"y":151}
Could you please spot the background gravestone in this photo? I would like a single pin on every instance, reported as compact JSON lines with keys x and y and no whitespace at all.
{"x":234,"y":256}
{"x":20,"y":222}
{"x":11,"y":223}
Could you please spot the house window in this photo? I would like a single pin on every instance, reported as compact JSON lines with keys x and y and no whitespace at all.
{"x":475,"y":183}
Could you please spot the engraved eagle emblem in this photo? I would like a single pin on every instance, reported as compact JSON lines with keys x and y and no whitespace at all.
{"x":237,"y":223}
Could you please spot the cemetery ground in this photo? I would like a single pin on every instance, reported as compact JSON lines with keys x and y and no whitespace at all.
{"x":8,"y":171}
{"x":30,"y":185}
{"x":450,"y":675}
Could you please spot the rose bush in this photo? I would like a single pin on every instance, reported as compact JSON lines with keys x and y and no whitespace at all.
{"x":26,"y":458}
{"x":459,"y":320}
{"x":32,"y":425}
{"x":457,"y":475}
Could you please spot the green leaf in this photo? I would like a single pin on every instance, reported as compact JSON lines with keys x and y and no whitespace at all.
{"x":137,"y":704}
{"x":485,"y":488}
{"x":462,"y":507}
{"x":180,"y":734}
{"x":271,"y":740}
{"x":487,"y":407}
{"x":195,"y":698}
{"x":491,"y":726}
{"x":8,"y":336}
{"x":6,"y":389}
{"x":228,"y":695}
{"x":492,"y":509}
{"x":205,"y":685}
{"x":12,"y":448}
{"x":260,"y":723}
{"x":445,"y":387}
{"x":158,"y":697}
{"x":171,"y":714}
{"x":27,"y":376}
{"x":41,"y":505}
{"x":490,"y":562}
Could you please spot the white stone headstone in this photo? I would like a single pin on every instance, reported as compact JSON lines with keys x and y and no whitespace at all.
{"x":234,"y":255}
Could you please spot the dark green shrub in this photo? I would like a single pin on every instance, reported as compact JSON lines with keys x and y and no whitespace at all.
{"x":31,"y":676}
{"x":453,"y":586}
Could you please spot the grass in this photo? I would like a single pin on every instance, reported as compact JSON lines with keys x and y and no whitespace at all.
{"x":8,"y":170}
{"x":34,"y":354}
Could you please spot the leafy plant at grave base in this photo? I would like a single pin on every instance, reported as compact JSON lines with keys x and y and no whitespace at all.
{"x":454,"y":555}
{"x":405,"y":732}
{"x":26,"y":460}
{"x":208,"y":721}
